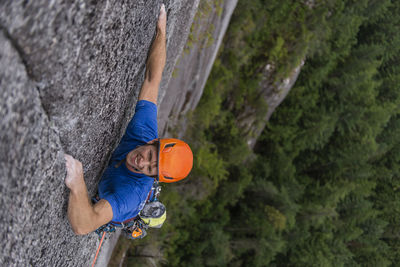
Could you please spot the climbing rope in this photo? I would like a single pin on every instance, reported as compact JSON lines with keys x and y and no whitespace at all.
{"x":97,"y":253}
{"x":132,"y":228}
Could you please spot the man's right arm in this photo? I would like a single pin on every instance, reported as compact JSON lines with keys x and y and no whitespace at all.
{"x":82,"y":215}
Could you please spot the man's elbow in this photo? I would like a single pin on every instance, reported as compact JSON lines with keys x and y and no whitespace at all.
{"x":80,"y":230}
{"x":153,"y":78}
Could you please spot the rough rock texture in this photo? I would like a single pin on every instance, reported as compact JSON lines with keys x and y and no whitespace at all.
{"x":194,"y":65}
{"x":273,"y":93}
{"x":69,"y":77}
{"x":31,"y":167}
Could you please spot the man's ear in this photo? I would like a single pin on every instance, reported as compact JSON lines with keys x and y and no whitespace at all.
{"x":152,"y":141}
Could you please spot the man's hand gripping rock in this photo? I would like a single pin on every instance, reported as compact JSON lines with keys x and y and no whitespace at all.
{"x":74,"y":179}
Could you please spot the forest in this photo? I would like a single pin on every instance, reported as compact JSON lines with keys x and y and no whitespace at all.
{"x":321,"y":186}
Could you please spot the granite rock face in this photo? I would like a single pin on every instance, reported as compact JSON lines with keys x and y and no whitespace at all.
{"x":70,"y":74}
{"x":273,"y":94}
{"x":194,"y":65}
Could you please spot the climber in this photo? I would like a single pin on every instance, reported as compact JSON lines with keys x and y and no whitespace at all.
{"x":139,"y":159}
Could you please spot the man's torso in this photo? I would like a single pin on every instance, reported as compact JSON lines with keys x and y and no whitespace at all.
{"x":125,"y":190}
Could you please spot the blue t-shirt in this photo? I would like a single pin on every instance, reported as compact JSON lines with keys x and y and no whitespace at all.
{"x":127,"y":191}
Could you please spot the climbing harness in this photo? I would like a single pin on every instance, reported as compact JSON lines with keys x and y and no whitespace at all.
{"x":152,"y":215}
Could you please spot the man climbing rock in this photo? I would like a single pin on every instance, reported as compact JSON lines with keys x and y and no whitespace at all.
{"x":139,"y":158}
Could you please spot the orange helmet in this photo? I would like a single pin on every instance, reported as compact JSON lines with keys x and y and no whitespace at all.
{"x":175,"y":160}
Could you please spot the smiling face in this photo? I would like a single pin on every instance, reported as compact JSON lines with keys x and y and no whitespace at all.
{"x":143,"y":159}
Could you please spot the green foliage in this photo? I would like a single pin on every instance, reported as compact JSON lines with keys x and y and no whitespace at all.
{"x":276,"y":218}
{"x":209,"y":164}
{"x":321,"y":187}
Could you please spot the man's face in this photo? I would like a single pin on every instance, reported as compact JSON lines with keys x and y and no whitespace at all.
{"x":143,"y":159}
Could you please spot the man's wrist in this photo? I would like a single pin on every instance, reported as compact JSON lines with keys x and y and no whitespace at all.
{"x":79,"y":187}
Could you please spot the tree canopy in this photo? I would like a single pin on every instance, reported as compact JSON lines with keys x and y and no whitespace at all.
{"x":321,"y":186}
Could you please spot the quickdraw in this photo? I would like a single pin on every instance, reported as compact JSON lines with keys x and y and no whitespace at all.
{"x":107,"y":228}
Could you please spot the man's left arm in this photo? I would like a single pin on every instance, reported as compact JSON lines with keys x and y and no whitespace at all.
{"x":155,"y":62}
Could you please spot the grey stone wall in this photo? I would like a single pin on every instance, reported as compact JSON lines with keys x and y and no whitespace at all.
{"x":70,"y":74}
{"x":273,"y":94}
{"x":194,"y":65}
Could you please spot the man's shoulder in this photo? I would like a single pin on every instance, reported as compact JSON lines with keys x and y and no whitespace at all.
{"x":143,"y":125}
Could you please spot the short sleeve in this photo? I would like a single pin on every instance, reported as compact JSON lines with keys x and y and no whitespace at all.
{"x":143,"y":125}
{"x":122,"y":204}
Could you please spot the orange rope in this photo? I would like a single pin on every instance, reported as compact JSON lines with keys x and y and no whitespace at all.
{"x":97,"y":253}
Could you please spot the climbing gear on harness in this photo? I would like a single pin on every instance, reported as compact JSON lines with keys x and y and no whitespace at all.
{"x":175,"y":160}
{"x":107,"y":228}
{"x":135,"y":231}
{"x":152,"y":215}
